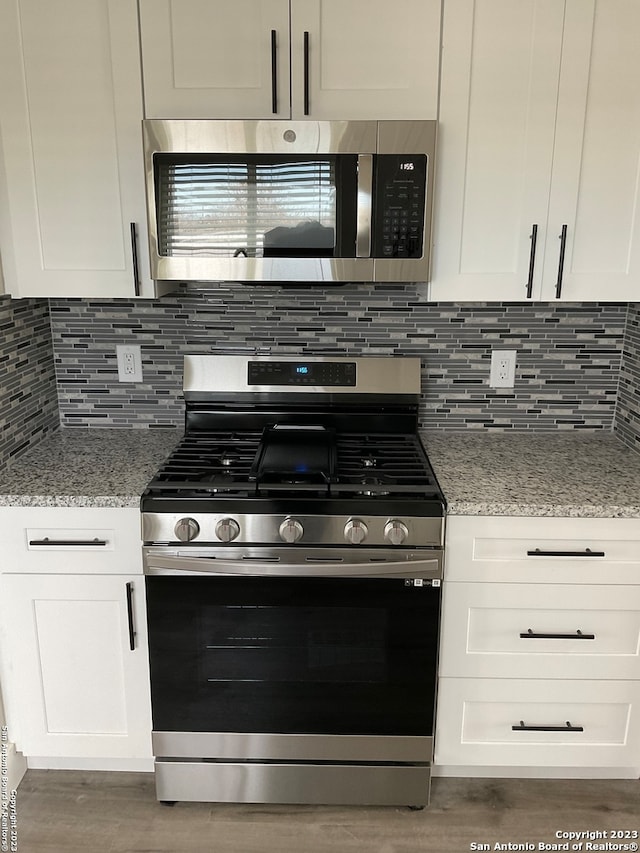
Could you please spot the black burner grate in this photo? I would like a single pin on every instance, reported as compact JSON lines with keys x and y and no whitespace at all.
{"x":224,"y":463}
{"x":390,"y":462}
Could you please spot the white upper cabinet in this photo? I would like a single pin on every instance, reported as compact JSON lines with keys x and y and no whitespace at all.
{"x":210,"y":58}
{"x":72,"y":179}
{"x":259,"y":59}
{"x":595,"y":188}
{"x":539,"y":148}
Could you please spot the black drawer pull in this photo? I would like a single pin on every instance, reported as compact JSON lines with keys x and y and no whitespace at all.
{"x":586,"y":553}
{"x":132,"y":631}
{"x":532,"y":635}
{"x":566,"y":728}
{"x":66,"y":542}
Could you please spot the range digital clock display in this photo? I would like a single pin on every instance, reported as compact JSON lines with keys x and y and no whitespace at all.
{"x":316,"y":373}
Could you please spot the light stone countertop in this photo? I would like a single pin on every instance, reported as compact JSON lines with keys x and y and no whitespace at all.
{"x":536,"y":474}
{"x":87,"y":467}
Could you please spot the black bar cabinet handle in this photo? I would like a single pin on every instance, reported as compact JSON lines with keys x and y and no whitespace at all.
{"x":66,"y":542}
{"x":534,"y":635}
{"x":586,"y":553}
{"x":566,"y":728}
{"x":532,"y":259}
{"x":306,"y":73}
{"x":563,"y":247}
{"x":274,"y":73}
{"x":134,"y":254}
{"x":132,"y":632}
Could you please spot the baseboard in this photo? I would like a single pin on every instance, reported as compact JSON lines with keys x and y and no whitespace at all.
{"x":536,"y":772}
{"x":16,"y":767}
{"x":136,"y":765}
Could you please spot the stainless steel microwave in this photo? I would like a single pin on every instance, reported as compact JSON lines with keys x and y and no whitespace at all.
{"x":287,"y":201}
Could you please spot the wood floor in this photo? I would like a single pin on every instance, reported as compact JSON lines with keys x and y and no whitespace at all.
{"x":70,"y":811}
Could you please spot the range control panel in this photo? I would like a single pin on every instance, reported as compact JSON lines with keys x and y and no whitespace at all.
{"x":322,"y":373}
{"x":399,"y":192}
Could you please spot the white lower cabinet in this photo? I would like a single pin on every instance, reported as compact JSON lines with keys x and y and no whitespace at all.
{"x":554,"y":631}
{"x":71,"y":540}
{"x":75,"y":666}
{"x":533,"y":722}
{"x":540,"y":646}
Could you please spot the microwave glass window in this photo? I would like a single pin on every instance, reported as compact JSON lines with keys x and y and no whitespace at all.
{"x":264,"y":206}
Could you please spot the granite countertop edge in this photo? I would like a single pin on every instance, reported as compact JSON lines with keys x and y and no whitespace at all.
{"x":86,"y":501}
{"x":543,"y":510}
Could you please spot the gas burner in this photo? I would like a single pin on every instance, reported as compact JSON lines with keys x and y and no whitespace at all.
{"x":374,"y":493}
{"x":216,"y":478}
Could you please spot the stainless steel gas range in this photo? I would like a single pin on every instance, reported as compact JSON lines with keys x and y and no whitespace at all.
{"x":293,"y":553}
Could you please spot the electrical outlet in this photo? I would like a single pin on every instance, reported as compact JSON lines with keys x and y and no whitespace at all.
{"x":129,"y":363}
{"x":503,"y":368}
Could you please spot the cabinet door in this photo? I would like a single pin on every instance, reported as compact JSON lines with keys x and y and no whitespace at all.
{"x":73,"y":182}
{"x":205,"y":59}
{"x":366,"y":60}
{"x":596,"y":167}
{"x":73,"y":687}
{"x":500,"y":69}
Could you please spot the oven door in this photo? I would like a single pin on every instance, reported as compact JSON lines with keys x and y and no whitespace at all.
{"x":245,"y":655}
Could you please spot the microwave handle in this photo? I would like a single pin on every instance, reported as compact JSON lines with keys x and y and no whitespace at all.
{"x":365,"y":189}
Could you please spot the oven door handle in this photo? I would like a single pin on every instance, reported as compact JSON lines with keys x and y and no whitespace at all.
{"x":428,"y":569}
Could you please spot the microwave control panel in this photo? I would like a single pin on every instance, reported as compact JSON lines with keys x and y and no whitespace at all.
{"x":400,"y":194}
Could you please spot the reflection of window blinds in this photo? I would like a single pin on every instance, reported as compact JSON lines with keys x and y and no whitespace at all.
{"x":225,"y":209}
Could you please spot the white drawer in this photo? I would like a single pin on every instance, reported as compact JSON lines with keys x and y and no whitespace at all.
{"x":52,"y":540}
{"x":543,"y":550}
{"x":500,"y":630}
{"x":517,"y":722}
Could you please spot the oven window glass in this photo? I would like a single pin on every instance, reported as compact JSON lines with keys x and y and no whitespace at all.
{"x":249,"y":206}
{"x":317,"y":656}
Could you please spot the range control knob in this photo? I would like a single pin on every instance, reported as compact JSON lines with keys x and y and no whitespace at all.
{"x":227,"y":529}
{"x":291,"y":530}
{"x":355,"y":531}
{"x":186,"y":529}
{"x":396,"y":532}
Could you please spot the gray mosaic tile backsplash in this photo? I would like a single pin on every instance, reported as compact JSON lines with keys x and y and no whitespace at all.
{"x":627,"y":420}
{"x":568,"y":355}
{"x":28,"y":399}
